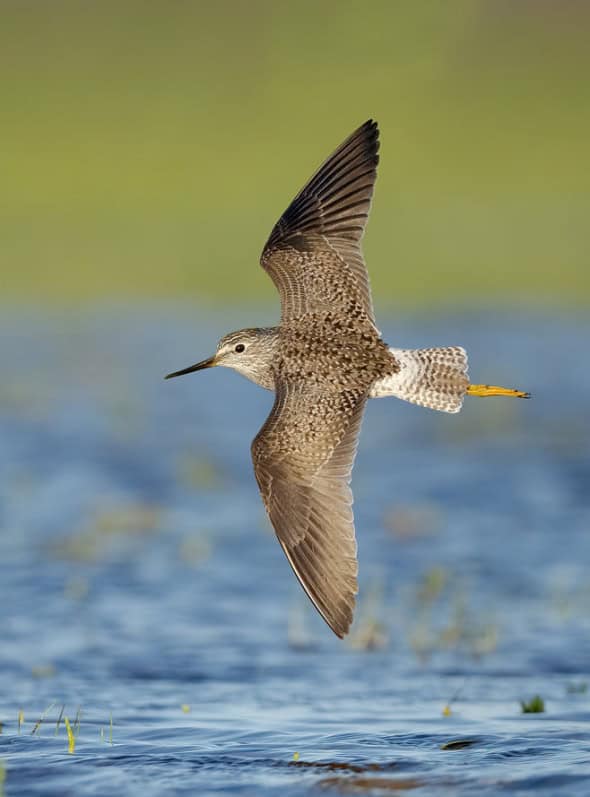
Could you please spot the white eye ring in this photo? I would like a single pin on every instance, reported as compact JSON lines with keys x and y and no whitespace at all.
{"x":239,"y":348}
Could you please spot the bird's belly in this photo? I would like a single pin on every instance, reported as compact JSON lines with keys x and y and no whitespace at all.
{"x":332,"y":352}
{"x":338,"y":366}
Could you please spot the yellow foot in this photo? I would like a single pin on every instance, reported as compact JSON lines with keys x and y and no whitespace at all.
{"x":494,"y":390}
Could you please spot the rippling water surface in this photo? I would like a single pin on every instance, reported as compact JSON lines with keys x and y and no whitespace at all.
{"x":144,"y":597}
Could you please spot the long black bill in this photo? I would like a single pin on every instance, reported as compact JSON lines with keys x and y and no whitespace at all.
{"x":208,"y":363}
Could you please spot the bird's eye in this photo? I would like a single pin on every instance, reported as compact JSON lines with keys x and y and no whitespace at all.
{"x":240,"y":348}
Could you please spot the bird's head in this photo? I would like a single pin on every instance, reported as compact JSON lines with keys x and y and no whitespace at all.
{"x":249,"y":351}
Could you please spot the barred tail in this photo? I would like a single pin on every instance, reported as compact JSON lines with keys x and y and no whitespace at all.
{"x":434,"y":378}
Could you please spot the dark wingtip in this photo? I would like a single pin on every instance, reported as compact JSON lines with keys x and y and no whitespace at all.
{"x":370,"y":129}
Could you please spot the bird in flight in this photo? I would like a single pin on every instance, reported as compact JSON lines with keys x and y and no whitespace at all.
{"x":323,"y":361}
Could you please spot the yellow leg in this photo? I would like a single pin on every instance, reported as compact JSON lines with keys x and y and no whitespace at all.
{"x":495,"y":390}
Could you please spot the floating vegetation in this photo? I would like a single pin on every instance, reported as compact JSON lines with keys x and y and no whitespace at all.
{"x":195,"y":550}
{"x":59,"y":719}
{"x":447,"y":711}
{"x":43,"y":671}
{"x":340,"y":765}
{"x":536,"y":705}
{"x":76,"y":588}
{"x":577,"y":688}
{"x":200,"y":473}
{"x":77,"y":721}
{"x":72,"y":727}
{"x":432,"y":584}
{"x":412,"y":522}
{"x":41,"y":719}
{"x":444,"y":619}
{"x":483,"y":640}
{"x":370,"y":785}
{"x":569,"y":597}
{"x":71,"y":737}
{"x":110,"y":731}
{"x":458,"y":744}
{"x":422,"y":640}
{"x":369,"y":633}
{"x":102,"y":734}
{"x":97,"y":538}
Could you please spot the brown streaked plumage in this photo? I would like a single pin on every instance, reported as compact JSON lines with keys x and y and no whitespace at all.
{"x":324,"y":360}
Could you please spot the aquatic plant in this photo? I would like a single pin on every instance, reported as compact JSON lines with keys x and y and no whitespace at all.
{"x":536,"y":705}
{"x":71,"y":737}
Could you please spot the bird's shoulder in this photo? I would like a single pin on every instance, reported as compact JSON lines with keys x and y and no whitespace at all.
{"x":329,"y":325}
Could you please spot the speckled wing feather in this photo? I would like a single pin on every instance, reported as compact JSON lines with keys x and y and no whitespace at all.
{"x":314,"y":252}
{"x":303,"y":458}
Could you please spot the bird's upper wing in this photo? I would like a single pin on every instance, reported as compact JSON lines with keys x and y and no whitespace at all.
{"x":314,"y":252}
{"x":303,"y":458}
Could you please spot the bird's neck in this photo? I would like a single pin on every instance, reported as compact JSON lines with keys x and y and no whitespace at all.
{"x":263,"y":374}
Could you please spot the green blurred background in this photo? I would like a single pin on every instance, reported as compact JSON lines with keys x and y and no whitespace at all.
{"x":148,"y":147}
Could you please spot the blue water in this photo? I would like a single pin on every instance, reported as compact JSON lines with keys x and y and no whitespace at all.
{"x":139,"y":579}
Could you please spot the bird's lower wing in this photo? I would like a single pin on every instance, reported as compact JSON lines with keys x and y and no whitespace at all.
{"x":303,"y":458}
